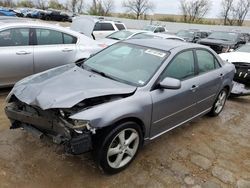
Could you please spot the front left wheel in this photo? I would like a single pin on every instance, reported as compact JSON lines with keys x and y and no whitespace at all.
{"x":119,"y":147}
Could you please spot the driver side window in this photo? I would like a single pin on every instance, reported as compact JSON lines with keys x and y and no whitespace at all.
{"x":181,"y":67}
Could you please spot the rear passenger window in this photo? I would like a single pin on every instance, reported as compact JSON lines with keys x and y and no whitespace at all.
{"x":107,"y":27}
{"x":68,"y":39}
{"x":14,"y":37}
{"x":48,"y":37}
{"x":120,"y":26}
{"x":162,"y":29}
{"x":181,"y":67}
{"x":206,"y":61}
{"x":97,"y":27}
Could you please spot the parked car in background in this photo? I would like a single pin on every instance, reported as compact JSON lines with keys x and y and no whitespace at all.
{"x":192,"y":35}
{"x":241,"y":60}
{"x":155,"y":28}
{"x":7,"y":12}
{"x":30,"y":47}
{"x":149,"y":35}
{"x":127,"y":94}
{"x":136,"y":34}
{"x":221,"y":41}
{"x":120,"y":35}
{"x":55,"y":15}
{"x":95,"y":28}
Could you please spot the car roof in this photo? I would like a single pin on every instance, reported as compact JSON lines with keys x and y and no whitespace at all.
{"x":164,"y":35}
{"x":162,"y":44}
{"x":25,"y":23}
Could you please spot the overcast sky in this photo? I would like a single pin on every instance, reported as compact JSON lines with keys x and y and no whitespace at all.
{"x":169,"y":7}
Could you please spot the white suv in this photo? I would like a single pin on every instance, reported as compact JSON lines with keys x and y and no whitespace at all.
{"x":96,"y":28}
{"x":104,"y":28}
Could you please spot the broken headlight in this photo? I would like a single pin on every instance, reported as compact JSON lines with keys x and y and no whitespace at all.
{"x":79,"y":124}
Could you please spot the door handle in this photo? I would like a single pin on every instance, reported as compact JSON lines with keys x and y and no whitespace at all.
{"x":22,"y":53}
{"x":194,"y":87}
{"x":67,"y":50}
{"x":221,"y":75}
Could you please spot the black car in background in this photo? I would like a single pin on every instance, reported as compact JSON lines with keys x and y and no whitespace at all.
{"x":55,"y":15}
{"x":221,"y":41}
{"x":192,"y":35}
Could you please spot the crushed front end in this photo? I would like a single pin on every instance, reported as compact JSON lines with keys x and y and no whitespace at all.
{"x":75,"y":135}
{"x":241,"y":79}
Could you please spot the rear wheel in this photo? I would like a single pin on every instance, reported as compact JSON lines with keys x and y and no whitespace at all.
{"x":119,"y":147}
{"x":219,"y":103}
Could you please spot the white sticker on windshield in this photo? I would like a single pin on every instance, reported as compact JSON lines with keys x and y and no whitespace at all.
{"x":155,"y":52}
{"x":141,"y":82}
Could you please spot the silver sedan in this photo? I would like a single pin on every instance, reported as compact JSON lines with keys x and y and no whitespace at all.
{"x":126,"y":95}
{"x":31,"y":47}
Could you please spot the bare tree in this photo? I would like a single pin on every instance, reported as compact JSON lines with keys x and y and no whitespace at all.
{"x":7,"y":3}
{"x":138,"y":7}
{"x":108,"y":6}
{"x":41,"y":4}
{"x":193,"y":11}
{"x":234,"y":13}
{"x":101,"y":7}
{"x":241,"y":10}
{"x":75,"y":5}
{"x":227,"y":6}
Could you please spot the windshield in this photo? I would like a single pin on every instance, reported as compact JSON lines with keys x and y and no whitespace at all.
{"x":244,"y":48}
{"x":149,"y":28}
{"x":127,"y":63}
{"x":185,"y":34}
{"x":223,"y":36}
{"x":120,"y":35}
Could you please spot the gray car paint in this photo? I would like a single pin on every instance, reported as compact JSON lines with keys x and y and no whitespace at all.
{"x":158,"y":110}
{"x":73,"y":84}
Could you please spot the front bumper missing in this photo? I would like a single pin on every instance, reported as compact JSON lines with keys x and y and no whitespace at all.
{"x":53,"y":127}
{"x":240,"y":89}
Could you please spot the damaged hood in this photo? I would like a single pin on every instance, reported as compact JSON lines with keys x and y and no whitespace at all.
{"x":231,"y":57}
{"x":66,"y":86}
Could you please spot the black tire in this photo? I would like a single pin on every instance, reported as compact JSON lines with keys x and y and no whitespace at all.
{"x":110,"y":141}
{"x":219,"y":103}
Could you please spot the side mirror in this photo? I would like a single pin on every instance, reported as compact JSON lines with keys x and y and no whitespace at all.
{"x":170,"y":83}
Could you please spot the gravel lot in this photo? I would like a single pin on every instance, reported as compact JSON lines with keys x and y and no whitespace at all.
{"x":207,"y":153}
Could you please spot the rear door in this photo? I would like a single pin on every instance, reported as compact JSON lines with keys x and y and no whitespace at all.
{"x":173,"y":107}
{"x":54,"y":48}
{"x":209,"y":79}
{"x":16,"y":55}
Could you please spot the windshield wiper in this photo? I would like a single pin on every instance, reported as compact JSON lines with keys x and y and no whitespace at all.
{"x":101,"y":73}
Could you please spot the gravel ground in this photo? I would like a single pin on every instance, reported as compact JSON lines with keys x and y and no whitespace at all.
{"x":207,"y":153}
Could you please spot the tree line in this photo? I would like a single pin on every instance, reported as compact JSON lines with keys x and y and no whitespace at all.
{"x":232,"y":12}
{"x":97,"y":7}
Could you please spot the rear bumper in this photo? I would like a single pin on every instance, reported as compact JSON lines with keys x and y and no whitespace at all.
{"x":60,"y":133}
